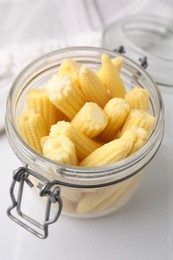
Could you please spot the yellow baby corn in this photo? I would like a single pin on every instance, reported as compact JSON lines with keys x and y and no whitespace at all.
{"x":139,"y":118}
{"x":138,"y":136}
{"x":108,"y":153}
{"x":38,"y":101}
{"x":43,"y":140}
{"x":32,"y":128}
{"x":91,"y":200}
{"x":118,"y":62}
{"x":60,"y":149}
{"x":119,"y":196}
{"x":68,"y":206}
{"x":83,"y":144}
{"x":110,"y":76}
{"x":117,"y":110}
{"x":142,"y":137}
{"x":90,"y":120}
{"x":92,"y":87}
{"x":138,"y":98}
{"x":71,"y":68}
{"x":104,"y":198}
{"x":65,"y":96}
{"x":74,"y":195}
{"x":130,"y":134}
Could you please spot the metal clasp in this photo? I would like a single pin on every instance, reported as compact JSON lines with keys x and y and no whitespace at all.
{"x":143,"y":60}
{"x":120,"y":49}
{"x":47,"y":188}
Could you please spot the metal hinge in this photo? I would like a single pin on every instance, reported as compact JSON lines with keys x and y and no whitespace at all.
{"x":51,"y":190}
{"x":143,"y":60}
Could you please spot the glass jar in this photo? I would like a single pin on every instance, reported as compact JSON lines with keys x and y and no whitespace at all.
{"x":85,"y":191}
{"x":145,"y":35}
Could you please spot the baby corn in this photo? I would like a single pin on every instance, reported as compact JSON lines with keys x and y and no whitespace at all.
{"x":38,"y":101}
{"x":68,"y":206}
{"x":83,"y":144}
{"x":71,"y":69}
{"x":110,"y":76}
{"x":138,"y":98}
{"x":139,"y":118}
{"x":138,"y":136}
{"x":32,"y":128}
{"x":65,"y":96}
{"x":72,"y":194}
{"x":108,"y":153}
{"x":142,"y":137}
{"x":92,"y":200}
{"x":90,"y":120}
{"x":60,"y":149}
{"x":103,"y":199}
{"x":78,"y":105}
{"x":121,"y":194}
{"x":117,"y":62}
{"x":130,"y":135}
{"x":92,"y":87}
{"x":117,"y":110}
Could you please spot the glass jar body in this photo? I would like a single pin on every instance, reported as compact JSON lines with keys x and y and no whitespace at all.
{"x":96,"y":202}
{"x":85,"y":191}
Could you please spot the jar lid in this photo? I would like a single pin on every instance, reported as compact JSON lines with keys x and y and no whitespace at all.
{"x":145,"y":35}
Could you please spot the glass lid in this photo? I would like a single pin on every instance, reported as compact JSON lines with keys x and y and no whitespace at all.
{"x":145,"y":35}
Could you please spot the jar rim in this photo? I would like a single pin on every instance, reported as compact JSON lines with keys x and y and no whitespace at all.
{"x":158,"y":25}
{"x":80,"y":172}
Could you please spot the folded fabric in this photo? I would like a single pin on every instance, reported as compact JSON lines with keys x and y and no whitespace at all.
{"x":14,"y":58}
